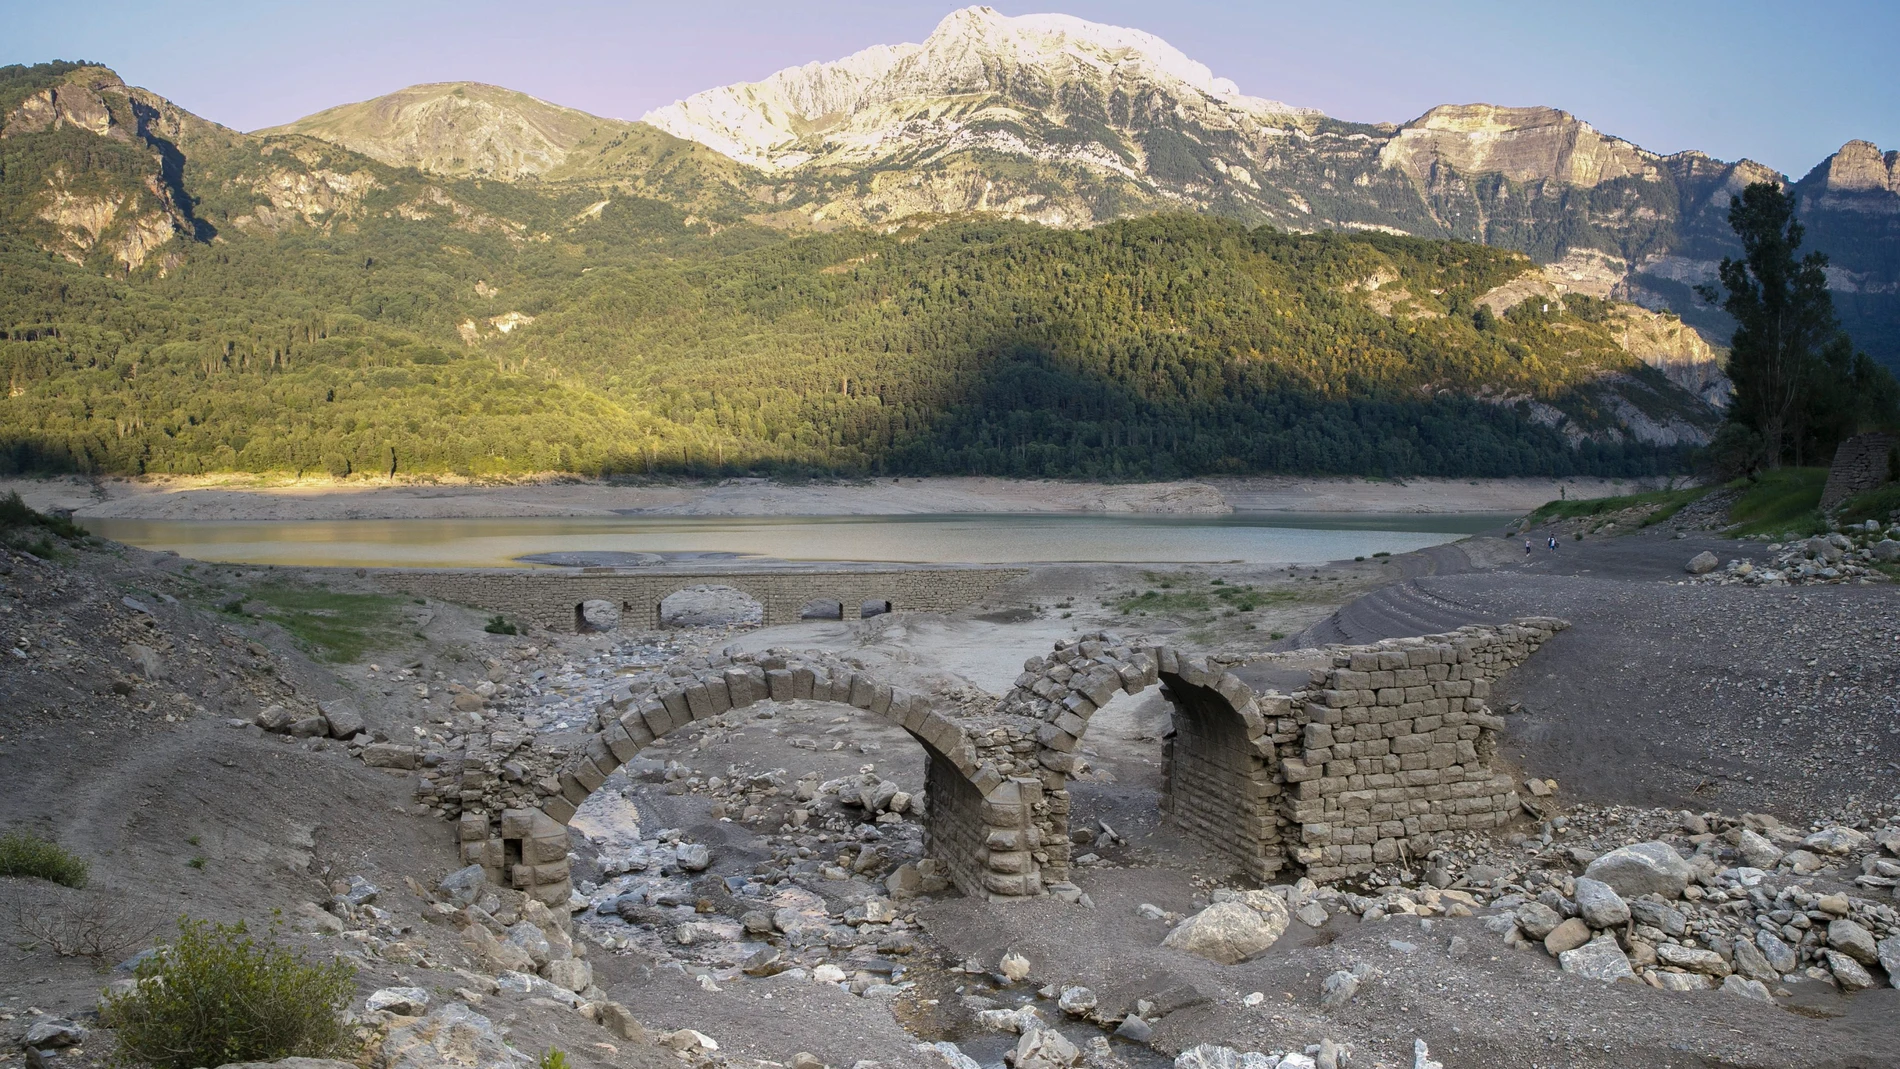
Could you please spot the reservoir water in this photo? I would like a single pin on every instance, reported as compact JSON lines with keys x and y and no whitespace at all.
{"x":988,"y":538}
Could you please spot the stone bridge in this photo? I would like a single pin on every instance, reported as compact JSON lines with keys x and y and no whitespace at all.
{"x":552,"y":598}
{"x":1382,"y":750}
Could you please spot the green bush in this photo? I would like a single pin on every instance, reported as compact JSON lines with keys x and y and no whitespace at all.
{"x":25,"y":854}
{"x":499,"y":625}
{"x":217,"y":995}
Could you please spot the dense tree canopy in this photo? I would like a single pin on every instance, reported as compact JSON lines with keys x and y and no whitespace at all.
{"x":1800,"y":387}
{"x":1164,"y":346}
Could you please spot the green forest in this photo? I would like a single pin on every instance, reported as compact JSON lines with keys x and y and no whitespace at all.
{"x":1151,"y":348}
{"x":318,"y":312}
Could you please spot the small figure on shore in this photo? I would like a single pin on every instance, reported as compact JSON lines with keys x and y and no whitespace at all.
{"x":1527,"y":547}
{"x":1553,"y":543}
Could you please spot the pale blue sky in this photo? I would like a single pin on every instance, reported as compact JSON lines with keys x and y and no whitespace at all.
{"x":1782,"y":84}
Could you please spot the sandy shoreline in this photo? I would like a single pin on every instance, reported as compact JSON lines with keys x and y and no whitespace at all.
{"x":241,"y":498}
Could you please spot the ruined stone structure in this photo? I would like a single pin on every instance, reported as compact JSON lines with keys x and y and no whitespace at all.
{"x":553,"y":598}
{"x":1384,"y":749}
{"x":1862,"y":463}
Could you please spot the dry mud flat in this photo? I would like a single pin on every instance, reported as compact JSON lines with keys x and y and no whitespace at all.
{"x":132,"y":779}
{"x":248,"y":498}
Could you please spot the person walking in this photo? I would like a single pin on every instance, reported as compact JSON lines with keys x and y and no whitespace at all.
{"x":1527,"y":547}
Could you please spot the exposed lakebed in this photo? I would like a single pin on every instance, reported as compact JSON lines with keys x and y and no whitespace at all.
{"x":1247,"y":537}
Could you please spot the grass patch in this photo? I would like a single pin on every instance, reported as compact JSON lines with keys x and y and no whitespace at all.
{"x":216,"y":995}
{"x":333,"y":627}
{"x":26,"y":854}
{"x":23,"y":528}
{"x":499,"y":625}
{"x":1662,"y":504}
{"x":1782,"y":503}
{"x":1878,"y":504}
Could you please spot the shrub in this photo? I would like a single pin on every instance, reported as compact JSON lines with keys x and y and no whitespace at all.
{"x":499,"y":625}
{"x":96,"y":927}
{"x":555,"y":1058}
{"x":216,"y":995}
{"x":25,"y":854}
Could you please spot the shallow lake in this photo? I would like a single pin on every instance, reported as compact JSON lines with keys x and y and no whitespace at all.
{"x":1259,"y":537}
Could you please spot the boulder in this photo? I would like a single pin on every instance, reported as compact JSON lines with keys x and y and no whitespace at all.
{"x":1681,"y":981}
{"x":1847,"y":972}
{"x":1779,"y":954}
{"x":1227,"y":933}
{"x":1702,"y":563}
{"x":1836,"y":841}
{"x":1046,"y":1048}
{"x":1889,"y":952}
{"x":463,"y":886}
{"x":1853,"y":940}
{"x":403,"y":1001}
{"x":1599,"y":959}
{"x":1755,"y":989}
{"x":453,"y":1037}
{"x":1077,"y":1001}
{"x":1643,"y":869}
{"x":572,"y":974}
{"x":53,"y":1033}
{"x":292,"y":1063}
{"x":1757,"y":850}
{"x":1569,"y":935}
{"x":1600,"y":905}
{"x":597,"y":614}
{"x":1014,"y":966}
{"x":1338,"y":989}
{"x":342,"y":718}
{"x":1208,"y":1056}
{"x":1750,"y":962}
{"x":1887,"y":551}
{"x":620,"y":1021}
{"x":1537,"y":919}
{"x":693,"y":857}
{"x":1693,"y":959}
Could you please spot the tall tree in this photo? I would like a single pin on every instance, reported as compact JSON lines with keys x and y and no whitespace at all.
{"x":1798,"y":382}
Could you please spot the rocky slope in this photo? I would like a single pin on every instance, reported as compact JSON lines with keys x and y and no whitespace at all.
{"x":1063,"y":122}
{"x":459,"y":128}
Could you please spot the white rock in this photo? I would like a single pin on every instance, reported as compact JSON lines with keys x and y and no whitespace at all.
{"x":1641,"y":869}
{"x":1046,"y":1048}
{"x":1228,"y":932}
{"x":405,"y":1001}
{"x":1599,"y":959}
{"x":1014,"y":966}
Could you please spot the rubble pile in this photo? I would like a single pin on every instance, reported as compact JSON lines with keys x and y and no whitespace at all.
{"x":1847,"y":556}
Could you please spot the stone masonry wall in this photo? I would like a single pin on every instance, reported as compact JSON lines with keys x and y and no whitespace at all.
{"x":1860,"y":465}
{"x":1395,"y":747}
{"x":1386,"y":748}
{"x":549,"y":596}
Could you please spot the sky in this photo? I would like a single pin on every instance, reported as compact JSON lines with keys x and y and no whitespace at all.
{"x":1782,"y":84}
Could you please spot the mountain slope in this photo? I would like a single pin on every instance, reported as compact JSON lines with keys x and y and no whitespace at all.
{"x":460,"y":129}
{"x":1068,"y":123}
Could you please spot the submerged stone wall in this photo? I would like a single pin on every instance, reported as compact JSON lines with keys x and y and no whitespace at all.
{"x":552,"y":597}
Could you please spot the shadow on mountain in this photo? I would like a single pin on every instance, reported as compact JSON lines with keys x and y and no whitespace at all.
{"x":1031,"y":415}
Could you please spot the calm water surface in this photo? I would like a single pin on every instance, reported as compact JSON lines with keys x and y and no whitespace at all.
{"x":1254,"y":538}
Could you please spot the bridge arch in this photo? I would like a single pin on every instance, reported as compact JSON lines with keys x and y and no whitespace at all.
{"x":976,"y":826}
{"x":1384,"y":748}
